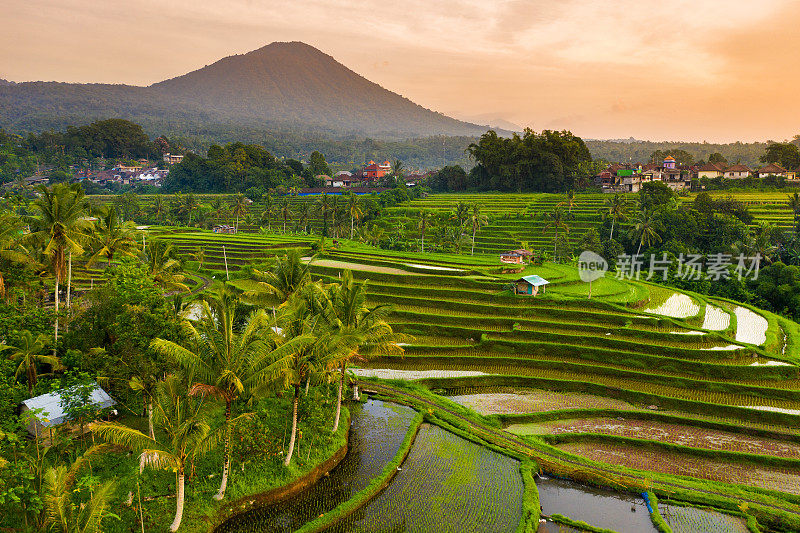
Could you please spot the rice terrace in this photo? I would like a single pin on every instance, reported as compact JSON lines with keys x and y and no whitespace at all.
{"x":644,"y":407}
{"x":420,"y":267}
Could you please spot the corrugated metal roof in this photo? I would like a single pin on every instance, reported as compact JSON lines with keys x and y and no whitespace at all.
{"x":53,"y":412}
{"x":535,"y":280}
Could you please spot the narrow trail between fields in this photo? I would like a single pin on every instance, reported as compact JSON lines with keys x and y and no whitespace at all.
{"x":512,"y":441}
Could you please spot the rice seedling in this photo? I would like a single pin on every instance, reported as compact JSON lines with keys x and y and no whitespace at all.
{"x":692,"y":520}
{"x":532,"y":401}
{"x":692,"y":436}
{"x":717,"y":469}
{"x":446,"y":484}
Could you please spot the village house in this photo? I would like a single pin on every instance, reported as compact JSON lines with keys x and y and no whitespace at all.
{"x":152,"y":176}
{"x":373,"y":170}
{"x":710,"y":171}
{"x":224,"y":228}
{"x":48,"y":410}
{"x":132,"y":169}
{"x":172,"y":159}
{"x":340,"y":179}
{"x":776,"y":170}
{"x":515,"y":256}
{"x":737,"y":172}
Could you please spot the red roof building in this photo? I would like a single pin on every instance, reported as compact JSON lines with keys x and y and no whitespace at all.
{"x":373,"y":170}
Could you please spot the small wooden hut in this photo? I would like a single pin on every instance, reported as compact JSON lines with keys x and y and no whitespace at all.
{"x":530,"y":285}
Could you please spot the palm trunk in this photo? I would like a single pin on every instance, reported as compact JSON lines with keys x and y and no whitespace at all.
{"x":226,"y":466}
{"x":55,"y":336}
{"x":639,"y":249}
{"x":308,"y":383}
{"x":351,"y":228}
{"x":69,"y":280}
{"x":472,"y":252}
{"x":339,"y":400}
{"x":150,"y":429}
{"x":294,"y":426}
{"x":555,"y":248}
{"x":179,"y":502}
{"x":611,"y":237}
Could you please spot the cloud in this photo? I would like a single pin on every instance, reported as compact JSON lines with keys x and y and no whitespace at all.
{"x":716,"y":69}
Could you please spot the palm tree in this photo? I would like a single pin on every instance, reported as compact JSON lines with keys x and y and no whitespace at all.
{"x":373,"y":234}
{"x":645,"y":230}
{"x":199,"y":256}
{"x":239,"y":207}
{"x":570,"y":201}
{"x":218,"y":208}
{"x":269,"y":203}
{"x":461,"y":214}
{"x":794,"y":205}
{"x":424,"y":216}
{"x":163,"y":268}
{"x":288,"y":275}
{"x":60,"y":229}
{"x":226,"y":361}
{"x":112,"y":237}
{"x":556,"y":223}
{"x":301,"y":326}
{"x":62,"y":515}
{"x":159,"y":208}
{"x":285,"y":212}
{"x":477,"y":220}
{"x":335,"y":215}
{"x":10,"y":249}
{"x":30,"y":352}
{"x":324,"y":207}
{"x":184,"y":430}
{"x":398,"y":169}
{"x":354,"y":209}
{"x":365,"y":329}
{"x":761,"y":242}
{"x":616,"y":210}
{"x":305,"y":215}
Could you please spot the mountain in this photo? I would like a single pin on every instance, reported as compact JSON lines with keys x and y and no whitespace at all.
{"x":494,"y":122}
{"x":280,"y":86}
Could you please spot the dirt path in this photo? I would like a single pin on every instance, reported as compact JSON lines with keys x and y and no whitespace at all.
{"x":331,"y":263}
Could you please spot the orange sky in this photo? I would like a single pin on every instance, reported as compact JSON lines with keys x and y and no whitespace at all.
{"x":715,"y":70}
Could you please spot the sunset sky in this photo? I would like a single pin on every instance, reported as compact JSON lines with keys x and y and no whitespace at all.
{"x":715,"y":70}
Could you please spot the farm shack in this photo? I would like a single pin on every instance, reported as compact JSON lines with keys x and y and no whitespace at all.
{"x":224,"y":228}
{"x":49,"y":411}
{"x":515,"y":256}
{"x":530,"y":285}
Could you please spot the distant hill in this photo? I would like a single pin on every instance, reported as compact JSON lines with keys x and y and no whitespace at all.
{"x":280,"y":86}
{"x":637,"y":151}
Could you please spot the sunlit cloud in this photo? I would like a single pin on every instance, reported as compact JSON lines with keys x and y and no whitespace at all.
{"x":680,"y":69}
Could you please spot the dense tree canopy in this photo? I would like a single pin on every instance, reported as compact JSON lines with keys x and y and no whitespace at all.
{"x":547,"y":161}
{"x":233,"y":167}
{"x":786,"y":155}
